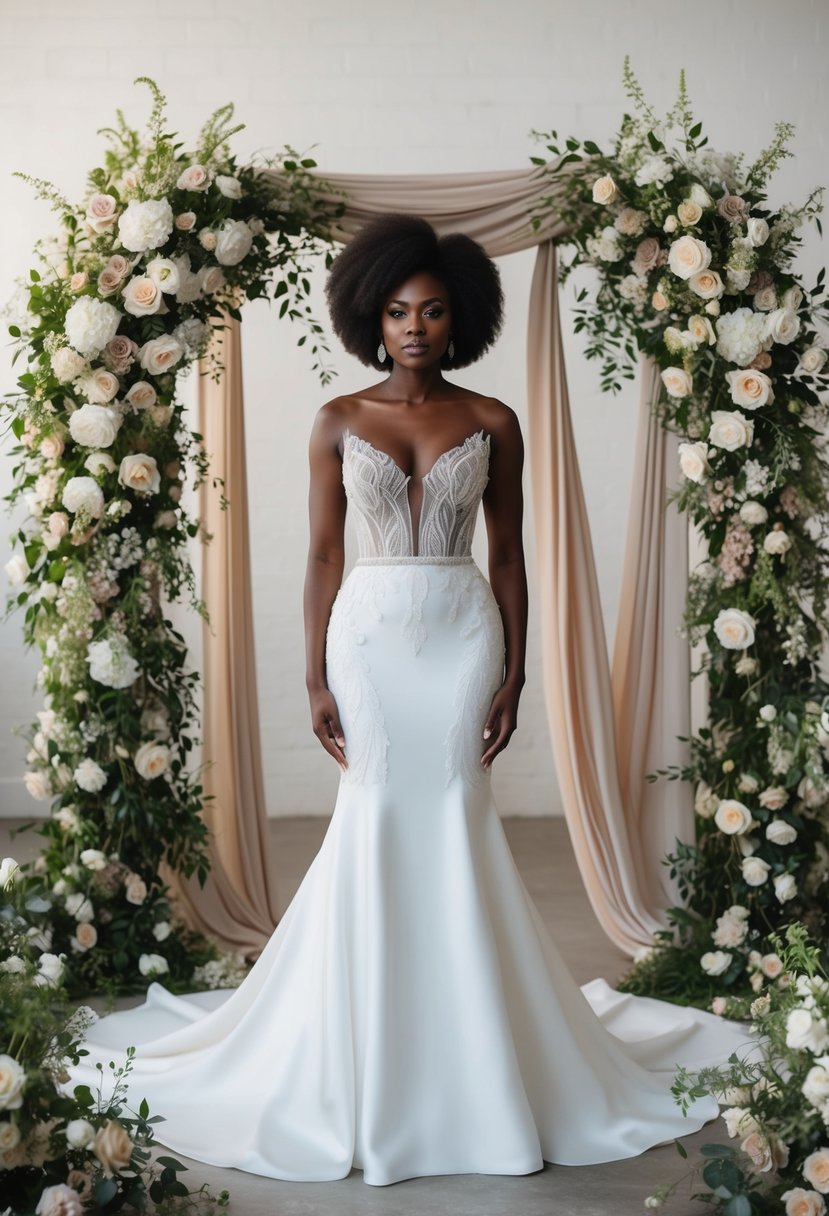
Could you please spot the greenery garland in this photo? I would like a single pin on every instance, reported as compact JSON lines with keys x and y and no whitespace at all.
{"x":694,"y":268}
{"x":166,"y":244}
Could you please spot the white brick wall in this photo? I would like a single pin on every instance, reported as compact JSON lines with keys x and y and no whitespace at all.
{"x":434,"y":87}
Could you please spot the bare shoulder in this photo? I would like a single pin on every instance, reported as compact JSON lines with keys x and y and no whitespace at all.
{"x":500,"y":420}
{"x":332,"y":418}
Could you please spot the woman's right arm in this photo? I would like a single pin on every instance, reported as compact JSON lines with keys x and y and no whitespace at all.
{"x":326,"y":558}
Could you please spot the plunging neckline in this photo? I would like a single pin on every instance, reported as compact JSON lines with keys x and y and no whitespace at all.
{"x":407,"y":477}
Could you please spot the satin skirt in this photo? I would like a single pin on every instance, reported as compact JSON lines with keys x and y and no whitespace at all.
{"x":411,"y":1015}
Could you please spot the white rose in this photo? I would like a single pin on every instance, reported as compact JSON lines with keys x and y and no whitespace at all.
{"x":90,"y":776}
{"x":141,"y":395}
{"x":12,"y":1083}
{"x":230,"y":187}
{"x":782,"y":326}
{"x":774,"y":796}
{"x":699,"y":194}
{"x":93,"y":859}
{"x":804,"y":1032}
{"x":693,"y":461}
{"x":142,"y":296}
{"x":83,"y":494}
{"x":162,"y":930}
{"x":688,"y":256}
{"x":730,"y":430}
{"x":160,"y":354}
{"x":8,"y":872}
{"x":144,"y":226}
{"x":50,"y":968}
{"x":9,"y":1136}
{"x":207,"y":239}
{"x":94,"y":426}
{"x":752,"y":513}
{"x":17,"y":569}
{"x":749,"y":388}
{"x":152,"y":759}
{"x":79,"y":906}
{"x":757,"y":231}
{"x":732,"y":817}
{"x":67,"y":364}
{"x":153,"y":964}
{"x":139,"y":472}
{"x":768,"y":713}
{"x":676,"y":381}
{"x":706,"y":284}
{"x":98,"y":461}
{"x":135,"y":889}
{"x":165,"y":273}
{"x":210,"y":279}
{"x":233,"y":242}
{"x":734,"y":628}
{"x":785,"y":887}
{"x":99,"y":386}
{"x":66,"y":817}
{"x":79,"y":1133}
{"x":755,"y":870}
{"x":37,"y":784}
{"x":812,"y":359}
{"x":715,"y":962}
{"x":701,"y":330}
{"x":90,"y":324}
{"x":780,"y":832}
{"x":777,"y":541}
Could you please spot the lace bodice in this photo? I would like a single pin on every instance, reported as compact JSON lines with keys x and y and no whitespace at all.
{"x":377,"y":490}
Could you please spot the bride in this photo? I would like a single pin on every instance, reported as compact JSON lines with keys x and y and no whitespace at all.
{"x":411,"y":1014}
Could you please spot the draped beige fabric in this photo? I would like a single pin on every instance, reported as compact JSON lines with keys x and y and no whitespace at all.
{"x":606,"y":731}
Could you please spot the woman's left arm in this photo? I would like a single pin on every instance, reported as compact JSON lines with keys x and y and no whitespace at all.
{"x":503,"y":502}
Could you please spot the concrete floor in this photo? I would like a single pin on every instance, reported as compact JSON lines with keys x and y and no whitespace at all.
{"x":545,"y":858}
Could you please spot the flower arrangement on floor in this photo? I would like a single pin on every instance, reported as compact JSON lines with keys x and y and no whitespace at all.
{"x":166,"y":244}
{"x":64,"y":1154}
{"x":695,"y":269}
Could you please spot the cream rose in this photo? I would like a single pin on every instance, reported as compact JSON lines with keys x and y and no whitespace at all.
{"x":113,"y":1147}
{"x":749,"y":388}
{"x":152,"y":759}
{"x":677,"y":381}
{"x":782,"y":326}
{"x":734,"y":628}
{"x":715,"y":962}
{"x":730,"y":430}
{"x":755,"y":871}
{"x":37,"y":785}
{"x":12,"y":1083}
{"x":688,"y":256}
{"x":774,"y":797}
{"x":803,"y":1203}
{"x":160,"y":354}
{"x":777,"y":541}
{"x":194,"y":177}
{"x":780,"y":832}
{"x":812,"y":360}
{"x":785,"y":887}
{"x":51,"y":447}
{"x":689,"y":212}
{"x":101,"y":212}
{"x":135,"y":889}
{"x":139,"y":472}
{"x":693,"y":461}
{"x":753,"y":513}
{"x":701,"y":330}
{"x":86,"y":935}
{"x":142,"y":296}
{"x":604,"y":189}
{"x":816,"y":1170}
{"x":141,"y":395}
{"x":732,"y":817}
{"x":230,"y":187}
{"x":94,"y":426}
{"x":185,"y":221}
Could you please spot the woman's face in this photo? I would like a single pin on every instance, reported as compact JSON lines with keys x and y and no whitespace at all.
{"x":416,"y":321}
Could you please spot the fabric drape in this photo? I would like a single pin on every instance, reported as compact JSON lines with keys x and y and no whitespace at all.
{"x":607,"y":728}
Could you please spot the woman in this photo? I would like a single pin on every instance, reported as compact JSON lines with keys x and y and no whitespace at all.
{"x":410,"y":1014}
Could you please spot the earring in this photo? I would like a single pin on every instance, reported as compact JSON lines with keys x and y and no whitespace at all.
{"x":450,"y":350}
{"x":381,"y":353}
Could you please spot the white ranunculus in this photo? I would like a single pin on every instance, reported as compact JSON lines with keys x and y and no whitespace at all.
{"x":677,"y":381}
{"x":160,"y":354}
{"x":688,"y":255}
{"x":93,"y":859}
{"x":780,"y":832}
{"x":230,"y":187}
{"x":67,"y":364}
{"x":734,"y":628}
{"x":755,"y":870}
{"x":17,"y":569}
{"x":79,"y":1133}
{"x":90,"y":776}
{"x":12,"y":1083}
{"x":37,"y":785}
{"x":90,"y":324}
{"x":139,"y":472}
{"x":165,"y":273}
{"x":233,"y":242}
{"x":757,"y":231}
{"x":83,"y":494}
{"x":732,"y":817}
{"x":8,"y":872}
{"x":785,"y":887}
{"x":730,"y":430}
{"x":752,"y":513}
{"x":111,"y":663}
{"x":777,"y":541}
{"x":142,"y":296}
{"x":152,"y":759}
{"x":749,"y":388}
{"x":94,"y":426}
{"x":145,"y":225}
{"x":693,"y":461}
{"x":153,"y":964}
{"x":715,"y":962}
{"x":782,"y":326}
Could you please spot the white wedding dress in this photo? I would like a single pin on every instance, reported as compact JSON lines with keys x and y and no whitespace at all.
{"x":410,"y":1014}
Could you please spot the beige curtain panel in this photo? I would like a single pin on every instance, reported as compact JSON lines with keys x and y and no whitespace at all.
{"x":609,"y":725}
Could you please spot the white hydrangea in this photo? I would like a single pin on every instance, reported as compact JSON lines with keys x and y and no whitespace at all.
{"x":192,"y":335}
{"x":654,"y":170}
{"x":90,"y":776}
{"x":90,"y":324}
{"x":740,"y":335}
{"x":146,"y":225}
{"x":111,"y":663}
{"x":83,"y":494}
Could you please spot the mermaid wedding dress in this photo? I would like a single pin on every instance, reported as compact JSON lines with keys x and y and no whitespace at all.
{"x":410,"y":1014}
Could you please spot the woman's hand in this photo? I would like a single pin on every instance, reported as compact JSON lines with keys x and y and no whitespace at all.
{"x":325,"y":719}
{"x":501,"y":721}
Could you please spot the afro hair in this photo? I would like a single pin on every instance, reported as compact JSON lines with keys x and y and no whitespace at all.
{"x":390,"y":249}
